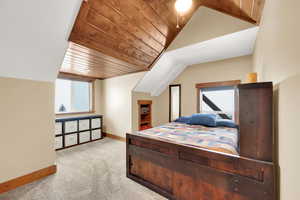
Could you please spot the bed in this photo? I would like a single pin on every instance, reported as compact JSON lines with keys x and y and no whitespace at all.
{"x":188,"y":162}
{"x":218,"y":139}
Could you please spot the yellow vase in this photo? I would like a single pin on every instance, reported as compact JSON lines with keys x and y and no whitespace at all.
{"x":252,"y":77}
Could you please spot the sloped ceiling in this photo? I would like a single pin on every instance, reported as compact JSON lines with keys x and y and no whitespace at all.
{"x":117,"y":37}
{"x":207,"y":24}
{"x":34,"y":33}
{"x":231,"y":38}
{"x":33,"y":37}
{"x":174,"y":62}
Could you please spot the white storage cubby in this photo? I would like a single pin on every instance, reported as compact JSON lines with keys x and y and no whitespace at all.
{"x":70,"y":126}
{"x":59,"y":142}
{"x":96,"y":134}
{"x":58,"y":128}
{"x":84,"y":124}
{"x":96,"y":123}
{"x":84,"y":136}
{"x":70,"y":140}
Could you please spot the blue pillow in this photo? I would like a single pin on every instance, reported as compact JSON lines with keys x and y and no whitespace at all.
{"x":184,"y":119}
{"x":226,"y":123}
{"x":203,"y":119}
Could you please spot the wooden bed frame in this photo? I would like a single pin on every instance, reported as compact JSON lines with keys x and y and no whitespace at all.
{"x":181,"y":172}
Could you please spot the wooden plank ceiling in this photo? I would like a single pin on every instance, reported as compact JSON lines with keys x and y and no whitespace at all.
{"x":117,"y":37}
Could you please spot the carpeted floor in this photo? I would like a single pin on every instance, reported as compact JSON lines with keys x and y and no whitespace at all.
{"x":94,"y":171}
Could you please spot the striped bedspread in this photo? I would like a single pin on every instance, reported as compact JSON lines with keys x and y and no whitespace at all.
{"x":219,"y":139}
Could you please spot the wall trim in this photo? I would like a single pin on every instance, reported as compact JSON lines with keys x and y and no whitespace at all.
{"x":115,"y":137}
{"x":28,"y":178}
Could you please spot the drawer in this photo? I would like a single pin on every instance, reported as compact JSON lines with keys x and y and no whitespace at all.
{"x":84,"y":124}
{"x":58,"y":128}
{"x":70,"y":126}
{"x":84,"y":137}
{"x":58,"y":142}
{"x":96,"y":123}
{"x":70,"y":140}
{"x":96,"y":134}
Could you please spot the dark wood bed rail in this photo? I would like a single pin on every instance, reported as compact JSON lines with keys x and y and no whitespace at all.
{"x":179,"y":172}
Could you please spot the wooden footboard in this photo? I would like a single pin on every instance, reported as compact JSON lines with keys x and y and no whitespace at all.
{"x":186,"y":173}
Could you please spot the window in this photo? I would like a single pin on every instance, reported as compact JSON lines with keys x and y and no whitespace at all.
{"x":174,"y":102}
{"x":73,"y":96}
{"x":218,"y":98}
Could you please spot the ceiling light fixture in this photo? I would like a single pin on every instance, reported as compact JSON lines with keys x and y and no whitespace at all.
{"x":181,"y":7}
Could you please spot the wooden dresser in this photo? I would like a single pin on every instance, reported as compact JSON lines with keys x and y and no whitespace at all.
{"x":77,"y":130}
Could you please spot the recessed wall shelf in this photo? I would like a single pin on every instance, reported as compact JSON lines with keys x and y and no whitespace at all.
{"x":145,"y":114}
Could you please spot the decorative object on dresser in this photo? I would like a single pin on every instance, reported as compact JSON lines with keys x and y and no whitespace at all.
{"x":145,"y":114}
{"x":77,"y":130}
{"x":252,"y":77}
{"x":184,"y":172}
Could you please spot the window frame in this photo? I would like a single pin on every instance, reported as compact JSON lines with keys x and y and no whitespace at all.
{"x":233,"y":83}
{"x":170,"y":100}
{"x":92,"y":96}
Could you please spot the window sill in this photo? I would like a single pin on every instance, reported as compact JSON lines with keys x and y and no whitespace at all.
{"x":74,"y":114}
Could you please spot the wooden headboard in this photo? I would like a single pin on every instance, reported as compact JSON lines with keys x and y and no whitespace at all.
{"x":256,"y":120}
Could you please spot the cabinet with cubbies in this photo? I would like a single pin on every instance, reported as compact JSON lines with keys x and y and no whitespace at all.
{"x":77,"y":130}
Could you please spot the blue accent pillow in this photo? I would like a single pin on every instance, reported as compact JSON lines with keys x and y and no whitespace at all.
{"x":226,"y":123}
{"x":183,"y":119}
{"x":203,"y":119}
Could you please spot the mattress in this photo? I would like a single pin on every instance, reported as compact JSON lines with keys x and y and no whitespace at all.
{"x":220,"y":139}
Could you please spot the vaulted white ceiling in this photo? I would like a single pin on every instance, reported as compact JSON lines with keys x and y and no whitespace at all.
{"x":33,"y":37}
{"x":209,"y":36}
{"x":172,"y":63}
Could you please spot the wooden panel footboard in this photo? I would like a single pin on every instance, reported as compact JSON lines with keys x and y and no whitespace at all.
{"x":186,"y":173}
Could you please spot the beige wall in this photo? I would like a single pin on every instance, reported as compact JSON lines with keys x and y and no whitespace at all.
{"x":27,"y":125}
{"x":207,"y":24}
{"x":277,"y":59}
{"x":117,"y":101}
{"x":230,"y":69}
{"x":98,"y":96}
{"x":287,"y":130}
{"x":277,"y":50}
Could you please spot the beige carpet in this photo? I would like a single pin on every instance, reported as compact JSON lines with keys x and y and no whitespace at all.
{"x":94,"y":171}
